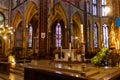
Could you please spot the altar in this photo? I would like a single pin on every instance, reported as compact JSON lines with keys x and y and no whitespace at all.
{"x":66,"y":53}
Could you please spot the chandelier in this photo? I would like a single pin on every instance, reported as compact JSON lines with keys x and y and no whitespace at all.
{"x":5,"y":30}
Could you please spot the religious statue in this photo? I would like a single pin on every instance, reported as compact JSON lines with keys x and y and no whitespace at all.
{"x":112,"y":36}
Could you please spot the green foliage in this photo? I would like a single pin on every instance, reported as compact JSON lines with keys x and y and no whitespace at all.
{"x":101,"y":56}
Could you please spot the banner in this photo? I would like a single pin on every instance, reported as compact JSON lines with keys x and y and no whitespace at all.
{"x":71,"y":0}
{"x":117,"y":22}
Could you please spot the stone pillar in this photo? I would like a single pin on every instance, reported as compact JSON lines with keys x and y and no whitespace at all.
{"x":43,"y":16}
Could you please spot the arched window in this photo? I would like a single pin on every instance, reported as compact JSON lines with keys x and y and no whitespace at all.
{"x":95,"y":35}
{"x":1,"y":19}
{"x":88,"y":6}
{"x":58,"y":35}
{"x":105,"y":35}
{"x":30,"y":35}
{"x":88,"y":34}
{"x":94,"y":7}
{"x":104,"y":7}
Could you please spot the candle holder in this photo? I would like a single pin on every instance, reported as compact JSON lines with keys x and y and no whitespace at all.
{"x":83,"y":73}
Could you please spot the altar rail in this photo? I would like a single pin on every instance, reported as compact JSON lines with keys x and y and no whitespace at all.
{"x":46,"y":74}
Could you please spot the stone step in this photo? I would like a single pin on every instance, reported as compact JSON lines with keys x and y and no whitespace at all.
{"x":19,"y":70}
{"x":4,"y":77}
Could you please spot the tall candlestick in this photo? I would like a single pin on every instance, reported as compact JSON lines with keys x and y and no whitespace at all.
{"x":82,"y":35}
{"x":81,"y":28}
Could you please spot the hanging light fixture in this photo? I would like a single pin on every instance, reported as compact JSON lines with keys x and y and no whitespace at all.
{"x":5,"y":30}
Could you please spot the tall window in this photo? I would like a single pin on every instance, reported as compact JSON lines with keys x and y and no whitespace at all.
{"x":105,"y":35}
{"x":1,"y":19}
{"x":88,"y":34}
{"x":94,"y":7}
{"x":30,"y":36}
{"x":104,"y":7}
{"x":58,"y":35}
{"x":88,"y":6}
{"x":95,"y":35}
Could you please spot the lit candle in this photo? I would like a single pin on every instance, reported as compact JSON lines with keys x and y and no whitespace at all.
{"x":82,"y":38}
{"x":81,"y":28}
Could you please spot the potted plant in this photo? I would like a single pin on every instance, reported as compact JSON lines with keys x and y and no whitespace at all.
{"x":101,"y":57}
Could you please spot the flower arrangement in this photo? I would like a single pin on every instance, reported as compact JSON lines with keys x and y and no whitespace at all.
{"x":56,"y":51}
{"x":100,"y":58}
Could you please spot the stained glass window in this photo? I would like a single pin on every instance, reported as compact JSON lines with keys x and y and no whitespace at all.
{"x":105,"y":35}
{"x":104,"y":13}
{"x":94,"y":7}
{"x":94,"y":2}
{"x":95,"y":35}
{"x":30,"y":36}
{"x":88,"y":6}
{"x":88,"y":34}
{"x":58,"y":35}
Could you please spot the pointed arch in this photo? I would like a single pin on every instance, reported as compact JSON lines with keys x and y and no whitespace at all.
{"x":17,"y":19}
{"x":31,"y":11}
{"x":105,"y":35}
{"x":77,"y":18}
{"x":95,"y":26}
{"x":76,"y":33}
{"x":59,"y":14}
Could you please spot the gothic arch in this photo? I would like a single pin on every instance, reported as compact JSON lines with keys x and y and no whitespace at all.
{"x":59,"y":14}
{"x":17,"y":19}
{"x":76,"y":29}
{"x":77,"y":20}
{"x":31,"y":11}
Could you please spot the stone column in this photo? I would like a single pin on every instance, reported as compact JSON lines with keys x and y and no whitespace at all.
{"x":43,"y":16}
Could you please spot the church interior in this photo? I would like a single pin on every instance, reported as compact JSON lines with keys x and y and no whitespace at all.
{"x":59,"y":39}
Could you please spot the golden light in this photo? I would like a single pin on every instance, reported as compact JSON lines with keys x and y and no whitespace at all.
{"x":76,"y":37}
{"x":11,"y":59}
{"x":107,"y":10}
{"x":6,"y":30}
{"x":5,"y":37}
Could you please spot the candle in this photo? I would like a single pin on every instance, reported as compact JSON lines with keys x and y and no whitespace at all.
{"x":82,"y":38}
{"x":81,"y":28}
